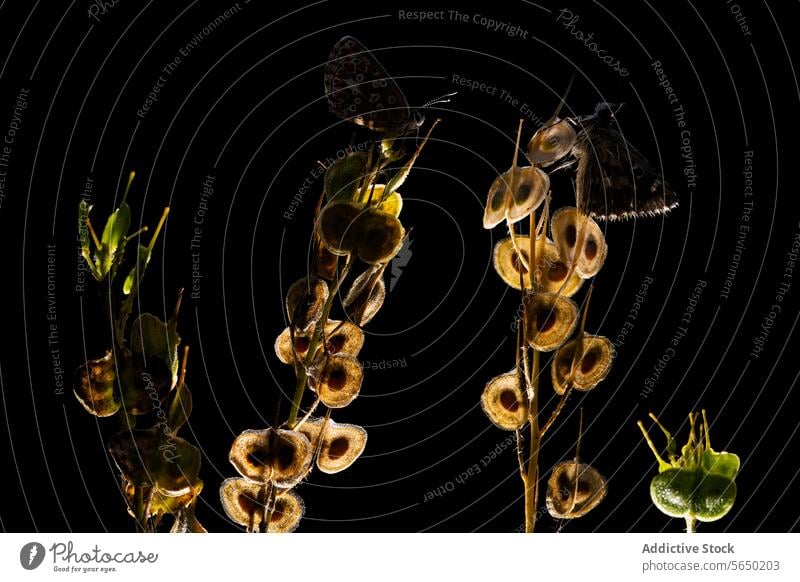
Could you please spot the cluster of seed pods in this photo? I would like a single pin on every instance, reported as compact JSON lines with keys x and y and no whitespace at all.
{"x":359,"y":225}
{"x":548,"y":268}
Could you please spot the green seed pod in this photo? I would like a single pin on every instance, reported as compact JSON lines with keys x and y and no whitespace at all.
{"x":380,"y":236}
{"x":699,"y":484}
{"x":338,"y":227}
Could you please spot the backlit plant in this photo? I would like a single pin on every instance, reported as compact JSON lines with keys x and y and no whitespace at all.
{"x":140,"y":380}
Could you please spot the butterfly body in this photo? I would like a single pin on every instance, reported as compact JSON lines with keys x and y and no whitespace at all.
{"x":614,"y":180}
{"x":359,"y":89}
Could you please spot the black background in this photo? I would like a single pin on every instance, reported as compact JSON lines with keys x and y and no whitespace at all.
{"x":250,"y":95}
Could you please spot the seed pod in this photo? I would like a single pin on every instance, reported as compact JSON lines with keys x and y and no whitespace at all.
{"x":325,"y":262}
{"x":551,"y":143}
{"x":549,"y":320}
{"x":95,"y":386}
{"x":288,"y":511}
{"x":304,"y":302}
{"x":507,"y":262}
{"x":342,"y":444}
{"x":343,"y":337}
{"x":570,"y":228}
{"x":282,"y":456}
{"x":366,"y":296}
{"x":555,"y":271}
{"x":530,"y":186}
{"x":343,"y":175}
{"x":380,"y":236}
{"x":243,"y":500}
{"x":700,"y":483}
{"x":505,"y":402}
{"x":283,"y":346}
{"x":574,"y":489}
{"x":337,"y":379}
{"x":338,"y":227}
{"x":393,"y":204}
{"x":144,"y":383}
{"x":590,"y":370}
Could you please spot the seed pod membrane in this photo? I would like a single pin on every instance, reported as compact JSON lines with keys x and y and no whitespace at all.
{"x":505,"y":402}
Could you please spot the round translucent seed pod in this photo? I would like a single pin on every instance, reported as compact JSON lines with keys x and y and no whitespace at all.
{"x":95,"y":386}
{"x":282,"y":456}
{"x":292,"y":458}
{"x":337,"y":380}
{"x":338,"y":227}
{"x":551,"y":143}
{"x":549,"y":320}
{"x":288,"y":511}
{"x":304,"y":302}
{"x":251,"y":454}
{"x":380,"y":236}
{"x":342,"y":444}
{"x":143,"y":382}
{"x":568,"y":228}
{"x":243,"y":500}
{"x":343,"y":337}
{"x":312,"y":428}
{"x":574,"y":489}
{"x":505,"y":402}
{"x":507,"y":262}
{"x":555,"y":271}
{"x":530,"y":190}
{"x":366,"y":296}
{"x":593,"y":367}
{"x":283,"y":346}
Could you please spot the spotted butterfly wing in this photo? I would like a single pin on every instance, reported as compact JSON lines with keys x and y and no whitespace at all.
{"x":614,"y":180}
{"x":360,"y":90}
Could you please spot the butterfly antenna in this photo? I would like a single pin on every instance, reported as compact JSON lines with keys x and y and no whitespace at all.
{"x":442,"y":99}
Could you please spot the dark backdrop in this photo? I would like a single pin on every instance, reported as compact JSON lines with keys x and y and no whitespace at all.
{"x":246,"y":106}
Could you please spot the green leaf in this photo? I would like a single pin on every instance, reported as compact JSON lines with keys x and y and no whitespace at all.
{"x":137,"y":272}
{"x":116,"y":228}
{"x":153,"y":337}
{"x":343,"y":175}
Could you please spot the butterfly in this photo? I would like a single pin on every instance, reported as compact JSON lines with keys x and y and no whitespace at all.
{"x":359,"y":89}
{"x":614,"y":180}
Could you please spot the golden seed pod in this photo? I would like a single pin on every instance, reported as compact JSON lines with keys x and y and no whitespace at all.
{"x":507,"y":264}
{"x":555,"y":271}
{"x":343,"y":337}
{"x":338,"y":227}
{"x":574,"y":489}
{"x":283,"y":346}
{"x":337,"y":380}
{"x":530,"y":188}
{"x":549,"y":320}
{"x":380,"y":236}
{"x":569,"y":227}
{"x":95,"y":386}
{"x":325,"y":262}
{"x":304,"y":302}
{"x":593,"y":367}
{"x":342,"y":444}
{"x":243,"y":500}
{"x":282,"y":456}
{"x":551,"y":143}
{"x":505,"y":402}
{"x":312,"y":428}
{"x":393,"y":204}
{"x":292,"y":458}
{"x":366,"y":296}
{"x":289,"y":509}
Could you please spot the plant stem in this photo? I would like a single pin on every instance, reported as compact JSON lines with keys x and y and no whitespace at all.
{"x":532,"y":478}
{"x":316,"y":338}
{"x":691,"y":522}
